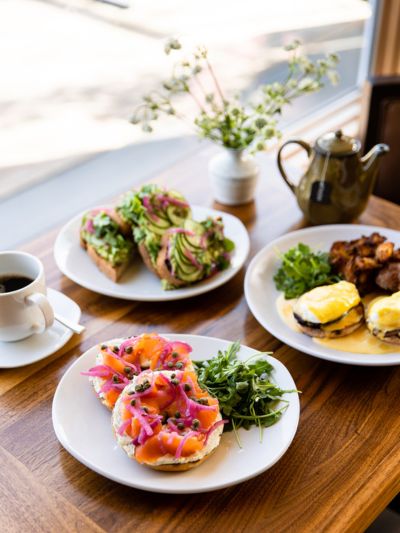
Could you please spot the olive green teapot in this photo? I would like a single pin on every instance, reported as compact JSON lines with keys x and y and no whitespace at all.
{"x":338,"y":182}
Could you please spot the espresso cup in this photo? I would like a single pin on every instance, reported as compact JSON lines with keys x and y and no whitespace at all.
{"x":27,"y":310}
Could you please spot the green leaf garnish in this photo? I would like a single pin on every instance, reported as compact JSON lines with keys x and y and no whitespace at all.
{"x":246,"y":393}
{"x":302,"y":270}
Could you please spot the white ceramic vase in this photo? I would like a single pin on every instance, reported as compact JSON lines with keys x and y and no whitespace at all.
{"x":233,"y":175}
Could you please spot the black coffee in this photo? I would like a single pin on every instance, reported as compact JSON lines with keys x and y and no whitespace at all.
{"x":10,"y":282}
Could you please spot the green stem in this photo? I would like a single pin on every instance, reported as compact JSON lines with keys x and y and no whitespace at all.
{"x":196,"y":100}
{"x":236,"y":434}
{"x":217,"y":85}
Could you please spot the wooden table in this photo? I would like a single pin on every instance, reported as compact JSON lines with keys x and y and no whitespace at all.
{"x":340,"y":472}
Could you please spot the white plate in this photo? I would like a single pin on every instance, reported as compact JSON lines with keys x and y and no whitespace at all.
{"x":138,"y":283}
{"x":83,"y":426}
{"x":37,"y":347}
{"x":261,"y":293}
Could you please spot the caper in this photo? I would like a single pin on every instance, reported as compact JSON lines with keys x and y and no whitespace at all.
{"x":180,"y":425}
{"x":175,"y":355}
{"x":187,"y":387}
{"x":175,"y":381}
{"x":177,"y":414}
{"x":128,"y":349}
{"x":179,"y":365}
{"x":195,"y":423}
{"x":170,"y":364}
{"x":133,"y":402}
{"x":115,"y":378}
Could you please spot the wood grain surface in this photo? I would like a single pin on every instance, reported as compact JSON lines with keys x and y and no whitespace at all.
{"x":340,"y":472}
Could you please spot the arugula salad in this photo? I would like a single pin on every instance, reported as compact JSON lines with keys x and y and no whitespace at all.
{"x":245,"y":390}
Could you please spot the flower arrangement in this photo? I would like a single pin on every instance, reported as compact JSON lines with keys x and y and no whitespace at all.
{"x":228,"y":121}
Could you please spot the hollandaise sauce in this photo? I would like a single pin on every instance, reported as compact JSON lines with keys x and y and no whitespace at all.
{"x":360,"y":341}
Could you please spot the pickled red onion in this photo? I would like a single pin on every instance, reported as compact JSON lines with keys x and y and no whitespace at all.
{"x":173,"y":201}
{"x":90,"y":226}
{"x":141,"y":418}
{"x":181,"y":230}
{"x":181,"y":444}
{"x":192,"y":259}
{"x":122,"y":427}
{"x":213,"y":427}
{"x":110,"y":385}
{"x":149,"y":207}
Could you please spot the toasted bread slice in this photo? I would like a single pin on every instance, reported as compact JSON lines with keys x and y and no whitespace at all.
{"x":163,"y":271}
{"x":146,"y":258}
{"x":167,"y":462}
{"x":112,"y":272}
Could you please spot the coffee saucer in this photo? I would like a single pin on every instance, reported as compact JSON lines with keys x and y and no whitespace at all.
{"x":37,"y":347}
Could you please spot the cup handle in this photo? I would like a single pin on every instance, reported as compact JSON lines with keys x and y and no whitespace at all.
{"x":304,"y":145}
{"x":42,"y":302}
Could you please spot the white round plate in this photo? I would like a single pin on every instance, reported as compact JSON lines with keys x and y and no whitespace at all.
{"x":37,"y":347}
{"x":83,"y":426}
{"x":138,"y":283}
{"x":261,"y":293}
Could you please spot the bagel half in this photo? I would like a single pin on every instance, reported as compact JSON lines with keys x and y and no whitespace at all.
{"x":146,"y":351}
{"x":165,"y":462}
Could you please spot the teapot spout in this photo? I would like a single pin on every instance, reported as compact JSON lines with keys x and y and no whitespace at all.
{"x":370,"y":160}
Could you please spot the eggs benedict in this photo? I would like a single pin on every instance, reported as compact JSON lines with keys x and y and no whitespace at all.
{"x":383,"y":318}
{"x":330,"y":311}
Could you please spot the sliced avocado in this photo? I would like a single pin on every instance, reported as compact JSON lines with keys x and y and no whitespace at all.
{"x":196,"y":275}
{"x":176,"y":215}
{"x":193,"y":241}
{"x":180,"y":263}
{"x":179,"y":252}
{"x":159,"y":227}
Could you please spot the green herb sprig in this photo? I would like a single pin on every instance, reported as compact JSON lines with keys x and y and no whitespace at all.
{"x":302,"y":270}
{"x":246,"y":394}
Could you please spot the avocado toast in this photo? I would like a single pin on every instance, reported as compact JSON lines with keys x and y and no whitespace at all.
{"x":150,"y":212}
{"x":102,"y":238}
{"x":192,"y":253}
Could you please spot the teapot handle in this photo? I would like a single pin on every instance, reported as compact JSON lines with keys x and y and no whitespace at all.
{"x":304,"y":145}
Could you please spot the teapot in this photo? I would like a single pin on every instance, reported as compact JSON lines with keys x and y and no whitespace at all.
{"x":338,"y":182}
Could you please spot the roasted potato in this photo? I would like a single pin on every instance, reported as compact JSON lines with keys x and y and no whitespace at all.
{"x":361,"y":261}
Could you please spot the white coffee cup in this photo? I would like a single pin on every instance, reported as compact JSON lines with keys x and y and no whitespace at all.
{"x":25,"y":311}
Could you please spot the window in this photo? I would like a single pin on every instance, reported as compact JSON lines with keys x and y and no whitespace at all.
{"x":74,"y":69}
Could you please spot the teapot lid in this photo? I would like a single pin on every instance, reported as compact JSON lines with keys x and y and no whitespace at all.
{"x":337,"y":144}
